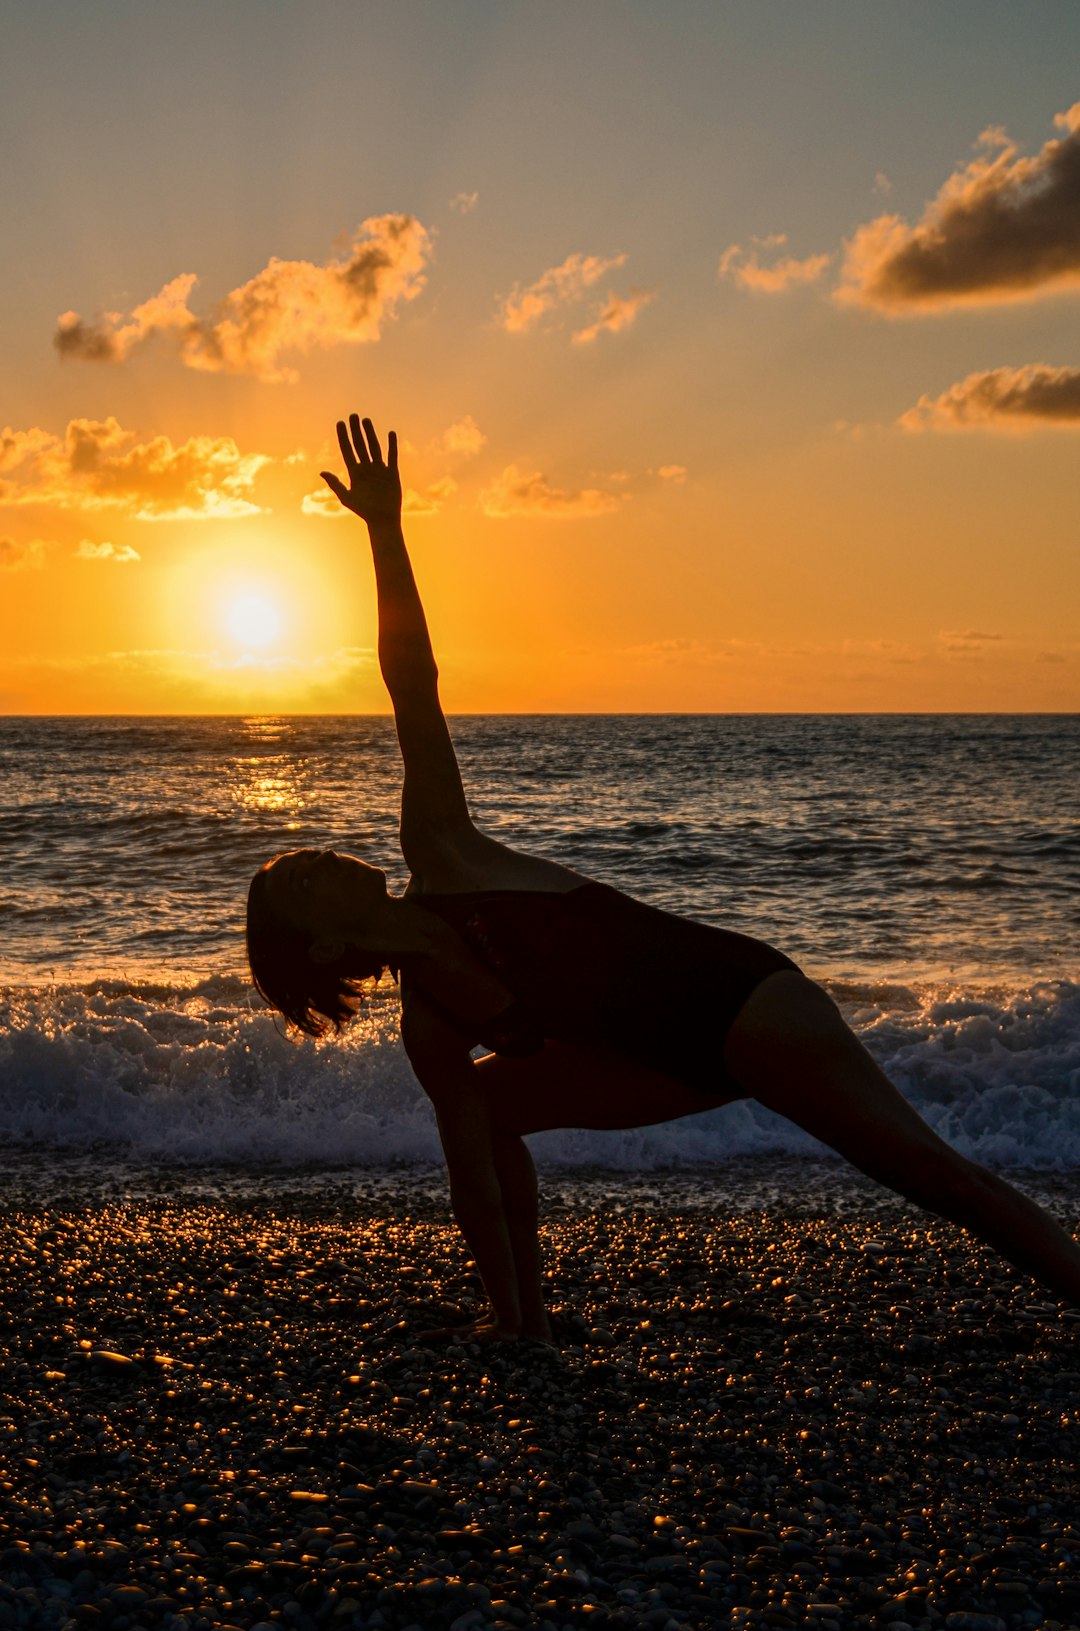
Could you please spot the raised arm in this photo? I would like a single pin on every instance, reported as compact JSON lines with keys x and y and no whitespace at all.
{"x":433,"y":799}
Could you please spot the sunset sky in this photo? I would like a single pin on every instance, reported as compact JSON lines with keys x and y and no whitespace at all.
{"x":734,"y":349}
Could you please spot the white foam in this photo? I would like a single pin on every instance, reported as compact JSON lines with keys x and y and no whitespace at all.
{"x":200,"y":1074}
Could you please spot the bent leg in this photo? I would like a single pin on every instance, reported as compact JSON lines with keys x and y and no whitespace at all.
{"x":790,"y":1049}
{"x":568,"y":1085}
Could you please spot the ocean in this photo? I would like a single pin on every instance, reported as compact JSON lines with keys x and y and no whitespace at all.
{"x":925,"y":868}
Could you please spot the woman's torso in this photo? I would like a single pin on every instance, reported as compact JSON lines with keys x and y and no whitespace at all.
{"x":586,"y":964}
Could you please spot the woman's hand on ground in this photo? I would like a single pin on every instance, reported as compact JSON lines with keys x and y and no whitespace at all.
{"x":486,"y":1330}
{"x":483,"y":1329}
{"x":373,"y":491}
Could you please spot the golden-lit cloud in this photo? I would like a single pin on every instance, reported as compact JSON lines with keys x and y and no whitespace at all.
{"x":119,"y":554}
{"x":619,"y":312}
{"x":114,"y":336}
{"x":323,"y":502}
{"x":464,"y":203}
{"x":19,"y":446}
{"x":1003,"y":227}
{"x":679,"y":652}
{"x":674,"y":473}
{"x":16,"y":556}
{"x":97,"y":465}
{"x":559,"y":285}
{"x":523,"y":492}
{"x":288,"y":306}
{"x":461,"y":439}
{"x":1014,"y":399}
{"x":430,"y":500}
{"x":745,"y":266}
{"x":968,"y":643}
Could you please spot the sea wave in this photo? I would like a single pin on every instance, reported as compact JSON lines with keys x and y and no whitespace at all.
{"x":201,"y":1073}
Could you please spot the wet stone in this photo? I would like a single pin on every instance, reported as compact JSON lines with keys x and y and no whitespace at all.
{"x":786,"y":1462}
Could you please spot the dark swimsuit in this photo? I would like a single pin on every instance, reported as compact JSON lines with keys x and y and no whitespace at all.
{"x":595,"y":966}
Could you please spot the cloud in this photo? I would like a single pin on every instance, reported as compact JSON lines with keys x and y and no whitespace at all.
{"x":288,"y":306}
{"x":523,"y":308}
{"x":966,"y":642}
{"x":1001,"y":228}
{"x":18,"y":446}
{"x":431,"y":500}
{"x":121,"y":554}
{"x":1002,"y":399}
{"x":619,"y":313}
{"x":744,"y":267}
{"x":521,"y":492}
{"x":322,"y":502}
{"x":16,"y":556}
{"x":675,"y":473}
{"x":680,"y":653}
{"x":96,"y":465}
{"x":463,"y":438}
{"x":464,"y":202}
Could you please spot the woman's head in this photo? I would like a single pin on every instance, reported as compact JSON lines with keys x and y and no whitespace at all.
{"x":313,"y":924}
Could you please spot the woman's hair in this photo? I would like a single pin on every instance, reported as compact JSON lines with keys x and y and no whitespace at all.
{"x":315,"y":997}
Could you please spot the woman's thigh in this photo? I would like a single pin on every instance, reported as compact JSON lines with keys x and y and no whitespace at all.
{"x":569,"y":1086}
{"x":791,"y":1050}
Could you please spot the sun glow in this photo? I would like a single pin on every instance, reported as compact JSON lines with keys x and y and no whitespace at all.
{"x":253,"y":620}
{"x":254,"y":624}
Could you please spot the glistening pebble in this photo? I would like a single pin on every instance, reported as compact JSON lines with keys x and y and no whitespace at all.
{"x":216,"y":1412}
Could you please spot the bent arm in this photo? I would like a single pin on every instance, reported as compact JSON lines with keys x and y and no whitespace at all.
{"x":433,"y":799}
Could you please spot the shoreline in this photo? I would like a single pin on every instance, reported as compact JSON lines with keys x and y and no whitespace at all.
{"x":834,"y":1412}
{"x":34,"y":1178}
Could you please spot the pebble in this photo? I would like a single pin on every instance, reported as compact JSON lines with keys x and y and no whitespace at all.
{"x":802,"y":1417}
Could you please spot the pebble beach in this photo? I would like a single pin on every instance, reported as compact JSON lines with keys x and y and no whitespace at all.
{"x":779,"y":1398}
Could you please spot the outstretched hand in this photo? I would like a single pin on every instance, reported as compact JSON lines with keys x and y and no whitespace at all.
{"x":374,"y":487}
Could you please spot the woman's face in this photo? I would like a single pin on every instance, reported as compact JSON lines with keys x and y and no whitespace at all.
{"x":322,"y":893}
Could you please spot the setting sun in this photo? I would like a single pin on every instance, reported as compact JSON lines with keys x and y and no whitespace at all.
{"x":253,"y":620}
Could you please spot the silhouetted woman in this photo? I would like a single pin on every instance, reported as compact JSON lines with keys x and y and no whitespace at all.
{"x":557,"y":976}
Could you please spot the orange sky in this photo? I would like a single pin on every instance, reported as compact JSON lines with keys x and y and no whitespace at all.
{"x":733,"y":370}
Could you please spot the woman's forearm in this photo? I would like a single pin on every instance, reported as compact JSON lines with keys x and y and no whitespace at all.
{"x":517,"y":1182}
{"x":449,"y":1078}
{"x":405,"y":655}
{"x":482,"y":1220}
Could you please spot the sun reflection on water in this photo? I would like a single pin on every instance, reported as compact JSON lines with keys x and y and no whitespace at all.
{"x":275,"y":783}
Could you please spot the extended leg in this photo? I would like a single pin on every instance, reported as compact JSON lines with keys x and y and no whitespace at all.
{"x":790,"y":1049}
